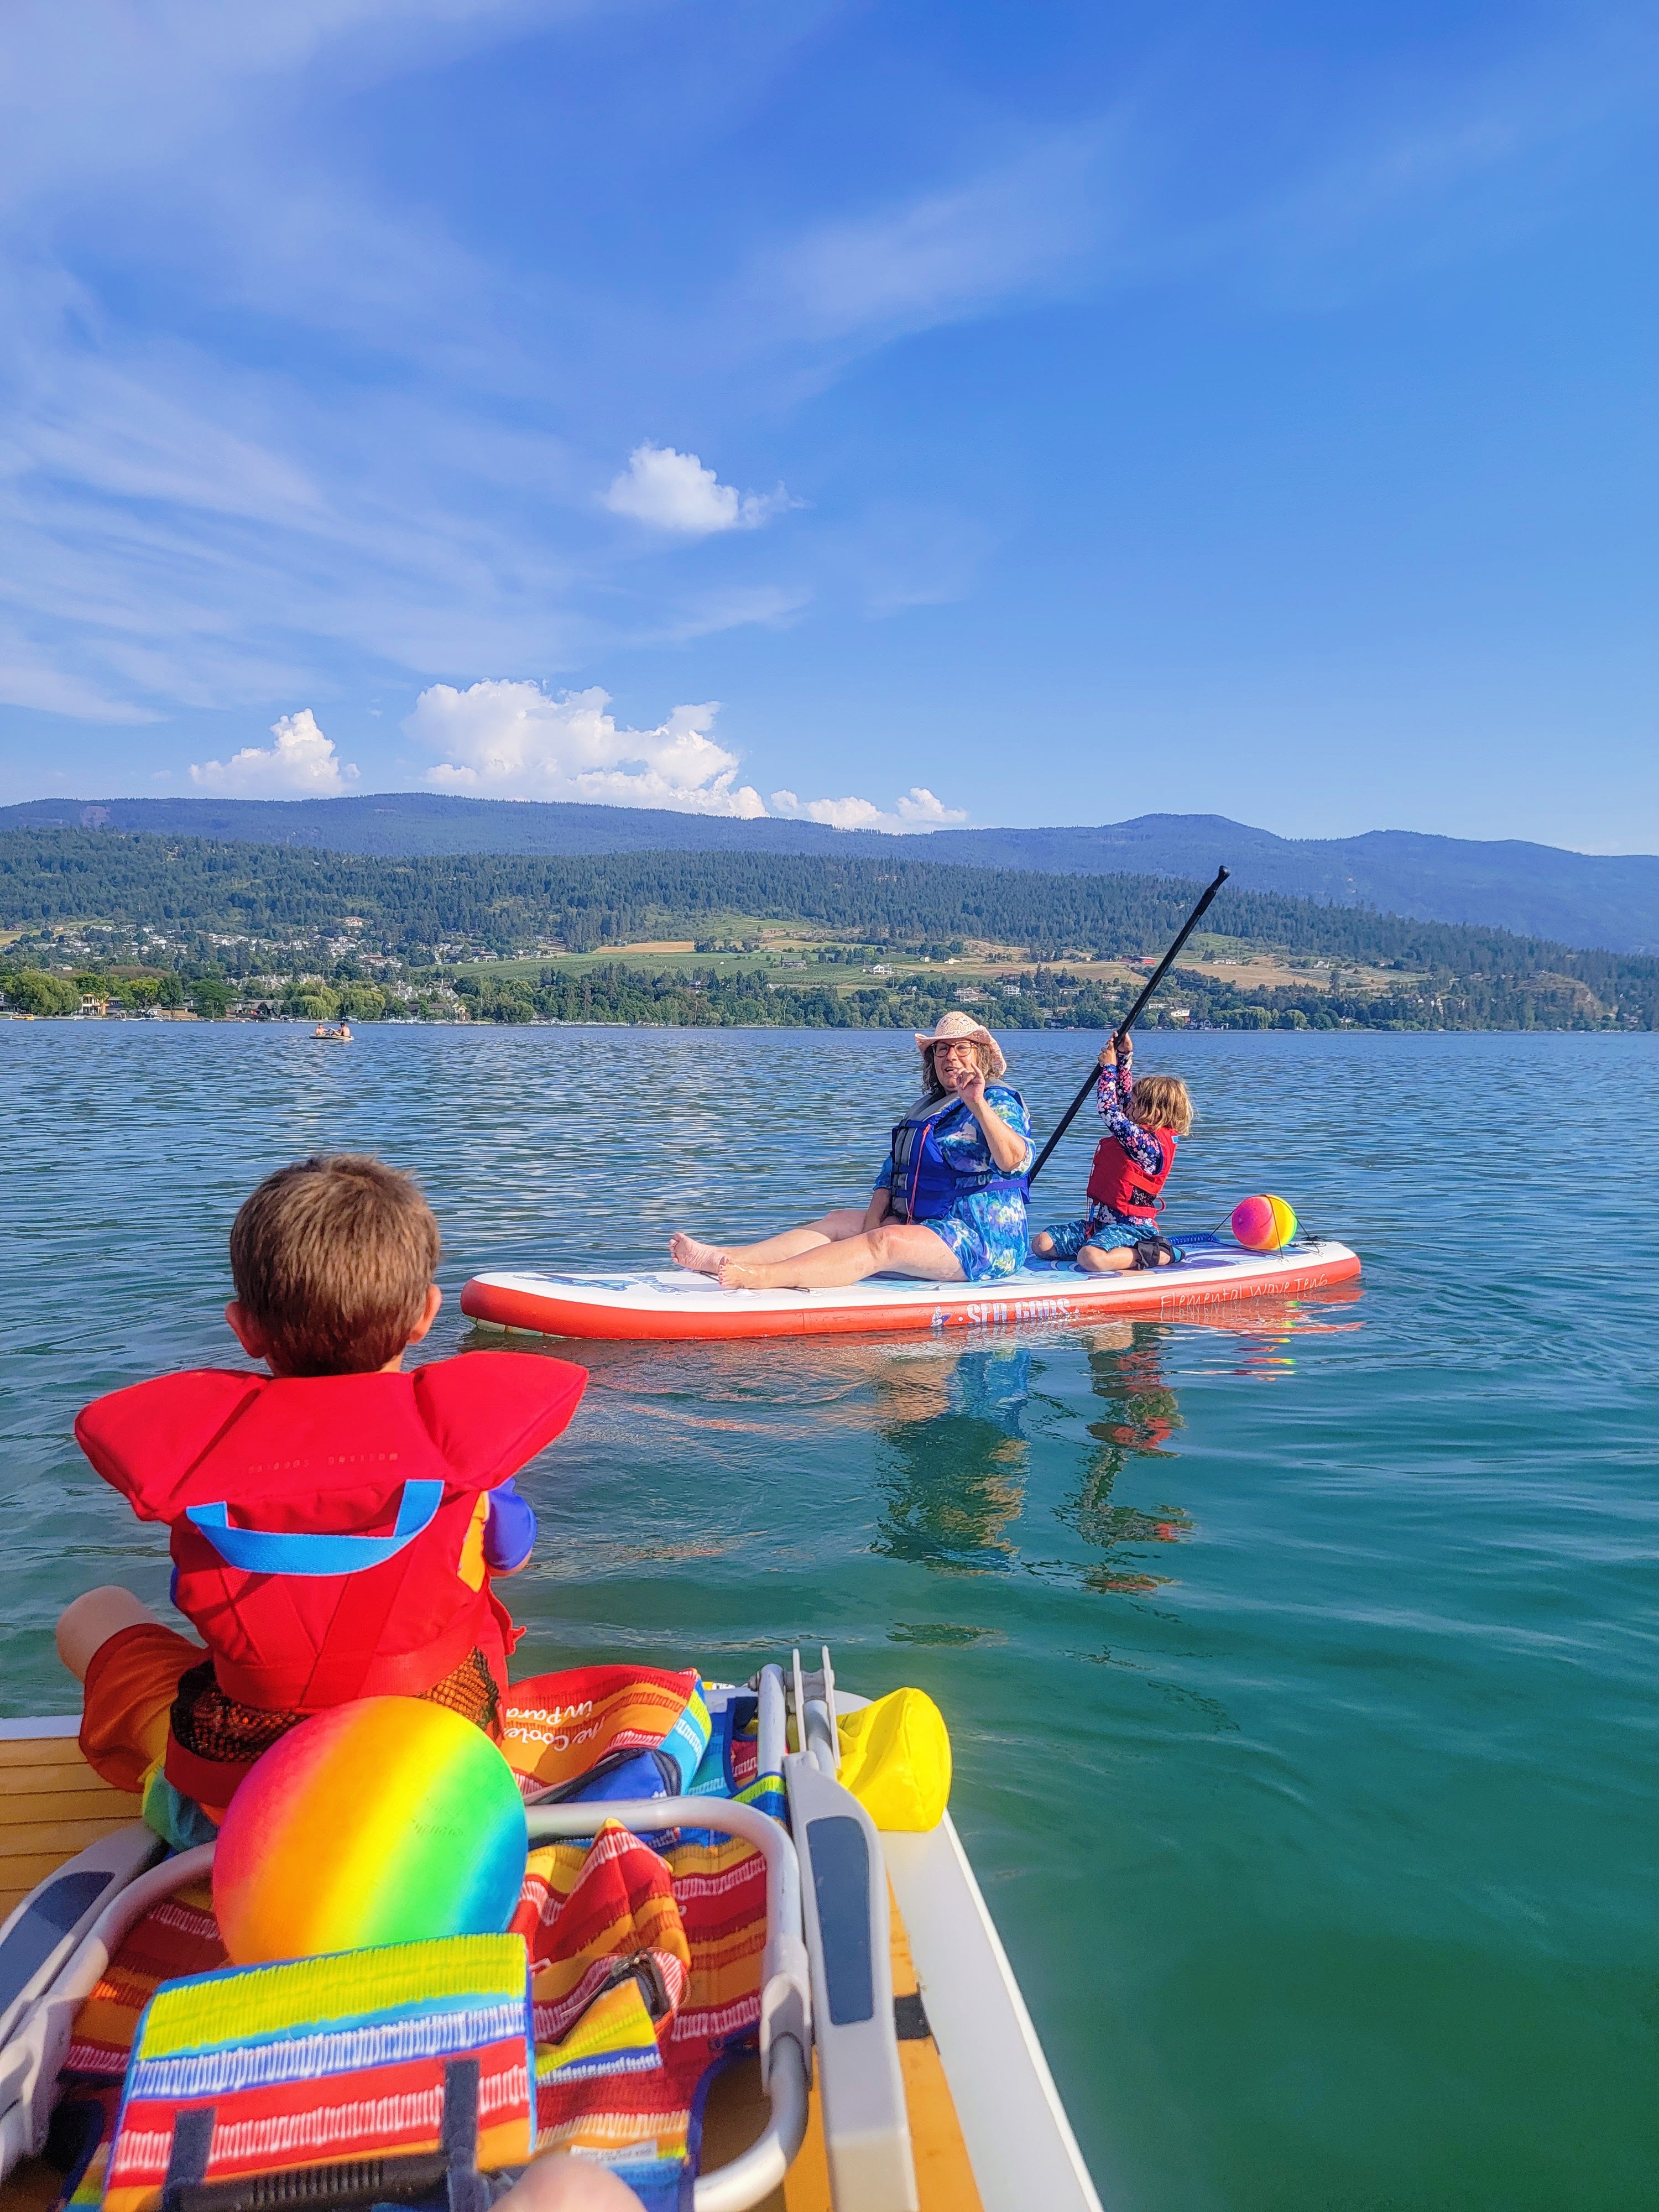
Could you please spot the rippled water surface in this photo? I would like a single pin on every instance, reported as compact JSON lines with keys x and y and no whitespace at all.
{"x":1300,"y":1667}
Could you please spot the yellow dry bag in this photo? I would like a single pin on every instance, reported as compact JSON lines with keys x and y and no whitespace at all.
{"x":895,"y":1759}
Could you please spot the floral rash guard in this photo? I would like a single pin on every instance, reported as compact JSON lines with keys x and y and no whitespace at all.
{"x":1139,"y":1143}
{"x":985,"y":1229}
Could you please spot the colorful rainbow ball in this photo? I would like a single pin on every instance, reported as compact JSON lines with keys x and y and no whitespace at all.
{"x":1264,"y":1224}
{"x":388,"y":1820}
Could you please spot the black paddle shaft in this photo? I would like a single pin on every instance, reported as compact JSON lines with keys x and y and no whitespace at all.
{"x":1130,"y":1018}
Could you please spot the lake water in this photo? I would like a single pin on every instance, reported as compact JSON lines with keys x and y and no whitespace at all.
{"x":1300,"y":1669}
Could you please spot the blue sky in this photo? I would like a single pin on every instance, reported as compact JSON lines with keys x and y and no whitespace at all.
{"x":888,"y":413}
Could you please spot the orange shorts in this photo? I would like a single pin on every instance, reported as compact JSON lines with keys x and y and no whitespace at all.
{"x":127,"y":1695}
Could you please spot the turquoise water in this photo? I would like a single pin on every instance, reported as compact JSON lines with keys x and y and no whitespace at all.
{"x":1300,"y":1669}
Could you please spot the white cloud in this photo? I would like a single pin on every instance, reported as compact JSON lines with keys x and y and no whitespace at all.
{"x":301,"y":764}
{"x":922,"y":811}
{"x":506,"y":739}
{"x":513,"y":740}
{"x":918,"y":810}
{"x":673,"y":491}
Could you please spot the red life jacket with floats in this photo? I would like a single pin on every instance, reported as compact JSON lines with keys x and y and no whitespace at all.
{"x":1123,"y":1184}
{"x":326,"y":1529}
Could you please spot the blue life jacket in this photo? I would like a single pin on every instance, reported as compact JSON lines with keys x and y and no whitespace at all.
{"x":926,"y":1186}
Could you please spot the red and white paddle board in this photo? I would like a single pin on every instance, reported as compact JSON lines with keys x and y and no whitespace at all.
{"x":677,"y":1304}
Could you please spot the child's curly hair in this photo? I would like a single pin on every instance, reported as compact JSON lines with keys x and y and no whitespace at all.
{"x":1161,"y":1102}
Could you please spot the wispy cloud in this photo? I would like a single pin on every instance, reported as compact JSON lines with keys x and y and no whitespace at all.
{"x":942,"y":254}
{"x":335,"y":422}
{"x":197,"y":533}
{"x":100,"y":90}
{"x":27,"y":679}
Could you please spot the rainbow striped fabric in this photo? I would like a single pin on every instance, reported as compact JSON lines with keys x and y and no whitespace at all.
{"x":178,"y":1937}
{"x":641,"y":1730}
{"x":410,"y":2051}
{"x":644,"y":1960}
{"x":627,"y":2036}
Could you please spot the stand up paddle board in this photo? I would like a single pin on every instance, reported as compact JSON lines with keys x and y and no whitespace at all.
{"x":675,"y":1303}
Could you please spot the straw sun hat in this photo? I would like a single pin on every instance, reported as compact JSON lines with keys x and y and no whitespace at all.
{"x":955,"y":1027}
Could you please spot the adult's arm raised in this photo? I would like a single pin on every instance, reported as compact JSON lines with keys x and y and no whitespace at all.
{"x":1005,"y":1145}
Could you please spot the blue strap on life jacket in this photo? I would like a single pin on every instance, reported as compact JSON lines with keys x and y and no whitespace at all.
{"x":270,"y":1551}
{"x":925,"y":1180}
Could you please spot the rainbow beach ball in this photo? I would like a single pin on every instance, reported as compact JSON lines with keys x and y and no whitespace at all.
{"x":1264,"y":1224}
{"x":388,"y":1820}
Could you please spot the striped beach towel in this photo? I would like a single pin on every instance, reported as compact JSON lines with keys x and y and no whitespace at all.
{"x":606,"y":1732}
{"x":644,"y":1956}
{"x":645,"y":1974}
{"x":388,"y":2067}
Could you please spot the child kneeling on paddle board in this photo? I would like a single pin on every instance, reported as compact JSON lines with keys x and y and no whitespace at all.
{"x":1144,"y":1122}
{"x":336,"y":1524}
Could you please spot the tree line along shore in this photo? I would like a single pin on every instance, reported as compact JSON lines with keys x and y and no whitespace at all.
{"x":107,"y":923}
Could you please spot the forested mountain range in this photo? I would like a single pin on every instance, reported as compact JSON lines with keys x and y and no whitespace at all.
{"x":1574,"y":898}
{"x":245,"y":908}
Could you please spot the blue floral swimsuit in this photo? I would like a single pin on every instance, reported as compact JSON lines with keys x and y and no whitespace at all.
{"x":986,"y":1230}
{"x":1104,"y":1229}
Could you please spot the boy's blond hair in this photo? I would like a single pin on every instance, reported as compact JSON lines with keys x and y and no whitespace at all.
{"x":332,"y":1258}
{"x":1161,"y":1102}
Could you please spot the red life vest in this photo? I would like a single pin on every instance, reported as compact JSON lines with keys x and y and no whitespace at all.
{"x":319,"y":1522}
{"x":1123,"y":1184}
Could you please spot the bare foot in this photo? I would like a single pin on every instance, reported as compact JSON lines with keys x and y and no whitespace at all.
{"x":703,"y":1259}
{"x":735,"y":1277}
{"x":560,"y":2183}
{"x":1091,"y":1260}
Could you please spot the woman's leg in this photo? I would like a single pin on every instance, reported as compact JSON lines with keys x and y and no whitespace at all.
{"x":829,"y":1228}
{"x":904,"y":1248}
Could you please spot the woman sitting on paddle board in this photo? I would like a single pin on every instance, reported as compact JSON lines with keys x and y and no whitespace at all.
{"x":949,"y":1204}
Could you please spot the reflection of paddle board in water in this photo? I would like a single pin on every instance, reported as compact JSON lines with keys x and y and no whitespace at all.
{"x":675,"y":1303}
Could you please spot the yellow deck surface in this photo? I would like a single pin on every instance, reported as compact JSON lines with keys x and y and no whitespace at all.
{"x":52,"y":1805}
{"x":737,"y":2112}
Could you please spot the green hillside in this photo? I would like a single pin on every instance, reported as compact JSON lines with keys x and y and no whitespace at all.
{"x":274,"y":917}
{"x":1576,"y":898}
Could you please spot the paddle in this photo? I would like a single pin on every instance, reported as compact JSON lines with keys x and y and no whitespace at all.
{"x":1130,"y":1018}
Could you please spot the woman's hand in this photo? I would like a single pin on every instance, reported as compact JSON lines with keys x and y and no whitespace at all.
{"x":1005,"y":1145}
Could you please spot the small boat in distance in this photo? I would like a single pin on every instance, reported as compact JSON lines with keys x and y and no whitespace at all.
{"x":326,"y":1034}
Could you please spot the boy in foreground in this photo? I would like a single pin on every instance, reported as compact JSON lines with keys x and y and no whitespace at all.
{"x":336,"y":1524}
